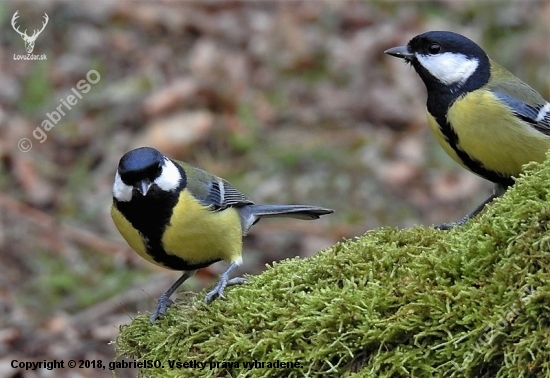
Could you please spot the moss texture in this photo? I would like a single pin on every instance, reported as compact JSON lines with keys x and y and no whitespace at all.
{"x":470,"y":302}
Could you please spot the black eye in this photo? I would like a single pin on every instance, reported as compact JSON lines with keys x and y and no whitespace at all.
{"x":434,"y":48}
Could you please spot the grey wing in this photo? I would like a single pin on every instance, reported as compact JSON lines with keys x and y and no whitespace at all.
{"x":223,"y":195}
{"x":538,"y":116}
{"x":211,"y":190}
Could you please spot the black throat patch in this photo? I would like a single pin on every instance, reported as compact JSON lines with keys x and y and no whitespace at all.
{"x":151,"y":215}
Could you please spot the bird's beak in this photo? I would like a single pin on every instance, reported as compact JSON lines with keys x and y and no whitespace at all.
{"x":400,"y":52}
{"x":144,"y":186}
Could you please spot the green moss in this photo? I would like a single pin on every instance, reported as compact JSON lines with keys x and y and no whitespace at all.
{"x":470,"y":302}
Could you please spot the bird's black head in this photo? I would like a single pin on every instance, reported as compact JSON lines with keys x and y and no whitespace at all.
{"x":446,"y":61}
{"x":145,"y":170}
{"x":144,"y":163}
{"x":440,"y":42}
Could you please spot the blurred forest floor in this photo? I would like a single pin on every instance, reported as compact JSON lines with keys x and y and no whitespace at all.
{"x":293,"y":102}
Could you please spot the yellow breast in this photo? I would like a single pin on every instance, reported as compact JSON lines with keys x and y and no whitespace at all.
{"x":197,"y":234}
{"x":130,"y":234}
{"x":491,"y":135}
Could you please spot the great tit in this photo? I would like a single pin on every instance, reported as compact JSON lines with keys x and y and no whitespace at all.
{"x":485,"y":118}
{"x":183,"y":218}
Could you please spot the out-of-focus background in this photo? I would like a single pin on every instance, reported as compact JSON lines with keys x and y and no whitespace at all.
{"x":293,"y":102}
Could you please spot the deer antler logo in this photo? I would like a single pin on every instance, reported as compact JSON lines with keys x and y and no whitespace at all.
{"x":29,"y":40}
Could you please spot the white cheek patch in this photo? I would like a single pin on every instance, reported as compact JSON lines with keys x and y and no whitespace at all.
{"x":121,"y":191}
{"x":170,"y":178}
{"x":449,"y":68}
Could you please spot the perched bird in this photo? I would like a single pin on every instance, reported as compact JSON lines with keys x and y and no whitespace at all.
{"x":183,"y":218}
{"x":485,"y":118}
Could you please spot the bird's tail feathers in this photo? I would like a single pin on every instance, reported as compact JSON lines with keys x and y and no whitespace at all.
{"x":289,"y":211}
{"x":250,"y":214}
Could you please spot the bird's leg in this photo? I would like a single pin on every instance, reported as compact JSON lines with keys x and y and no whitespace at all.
{"x":164,"y":300}
{"x":223,"y":283}
{"x":498,"y":190}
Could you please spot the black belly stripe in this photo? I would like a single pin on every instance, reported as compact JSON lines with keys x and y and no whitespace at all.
{"x":473,"y":165}
{"x":151,"y":215}
{"x":437,"y":107}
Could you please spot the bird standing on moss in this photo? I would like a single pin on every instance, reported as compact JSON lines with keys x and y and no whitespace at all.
{"x":183,"y":218}
{"x":484,"y":117}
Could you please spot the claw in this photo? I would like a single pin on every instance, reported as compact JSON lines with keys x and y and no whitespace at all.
{"x":446,"y":226}
{"x":498,"y":191}
{"x":218,"y":291}
{"x":223,"y":283}
{"x":162,"y":305}
{"x":164,"y":300}
{"x":237,"y":281}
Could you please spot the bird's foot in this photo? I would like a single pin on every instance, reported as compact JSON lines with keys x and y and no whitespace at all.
{"x":220,"y":286}
{"x":445,"y":226}
{"x":498,"y":191}
{"x":162,"y":305}
{"x":448,"y":226}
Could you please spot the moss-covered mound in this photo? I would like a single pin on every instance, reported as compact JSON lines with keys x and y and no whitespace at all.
{"x":470,"y":302}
